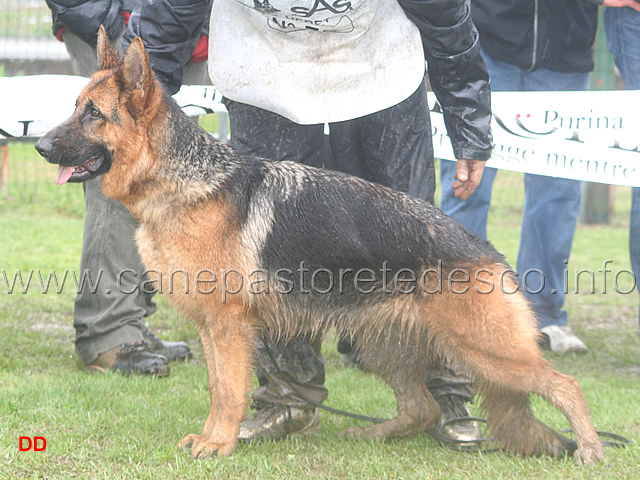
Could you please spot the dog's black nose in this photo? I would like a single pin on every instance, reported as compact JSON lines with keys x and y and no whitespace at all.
{"x":44,"y":146}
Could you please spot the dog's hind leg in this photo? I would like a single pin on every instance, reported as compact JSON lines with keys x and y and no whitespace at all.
{"x":401,"y":363}
{"x":564,"y":392}
{"x":513,"y":424}
{"x":493,"y":336}
{"x":516,"y":429}
{"x":227,"y":342}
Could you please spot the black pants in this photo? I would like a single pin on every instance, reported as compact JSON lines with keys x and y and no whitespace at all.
{"x":392,"y":147}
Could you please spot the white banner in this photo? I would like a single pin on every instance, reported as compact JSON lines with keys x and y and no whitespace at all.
{"x":31,"y":106}
{"x":592,"y":136}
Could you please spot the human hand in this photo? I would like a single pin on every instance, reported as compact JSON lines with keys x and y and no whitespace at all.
{"x":468,"y":176}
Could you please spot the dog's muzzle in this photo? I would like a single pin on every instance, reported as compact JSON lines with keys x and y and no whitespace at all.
{"x":89,"y":164}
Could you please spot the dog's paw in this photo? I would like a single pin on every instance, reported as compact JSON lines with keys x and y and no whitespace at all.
{"x":202,"y":447}
{"x":589,"y":454}
{"x":189,"y":440}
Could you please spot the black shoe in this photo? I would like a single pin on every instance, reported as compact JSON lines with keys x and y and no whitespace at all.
{"x":128,"y":358}
{"x":350,"y":355}
{"x":351,"y":359}
{"x":275,"y":422}
{"x":173,"y":351}
{"x":454,"y":407}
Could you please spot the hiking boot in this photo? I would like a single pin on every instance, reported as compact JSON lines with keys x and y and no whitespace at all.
{"x":453,"y":407}
{"x":561,"y":340}
{"x":350,"y":355}
{"x":275,"y":422}
{"x":351,"y":359}
{"x":131,"y":358}
{"x":173,"y":351}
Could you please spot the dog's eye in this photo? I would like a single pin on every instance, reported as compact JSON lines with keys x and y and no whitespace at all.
{"x":94,"y":112}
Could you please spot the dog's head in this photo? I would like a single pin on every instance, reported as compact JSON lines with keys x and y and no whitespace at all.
{"x":111,"y":113}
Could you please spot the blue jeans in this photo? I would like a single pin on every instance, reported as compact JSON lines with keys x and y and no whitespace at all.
{"x":551,"y":205}
{"x":623,"y":35}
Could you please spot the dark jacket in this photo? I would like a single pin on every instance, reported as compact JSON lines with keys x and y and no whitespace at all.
{"x":181,"y":21}
{"x":457,"y":72}
{"x":83,"y":17}
{"x":531,"y":34}
{"x":171,"y":31}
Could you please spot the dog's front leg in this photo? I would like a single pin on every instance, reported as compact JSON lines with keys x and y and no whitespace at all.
{"x":227,"y":339}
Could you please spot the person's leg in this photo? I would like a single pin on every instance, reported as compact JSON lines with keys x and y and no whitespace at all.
{"x":623,"y":32}
{"x":84,"y":59}
{"x":634,"y":234}
{"x":550,"y":216}
{"x":284,"y":370}
{"x":260,"y":133}
{"x":544,"y":80}
{"x":194,"y":73}
{"x":393,"y":147}
{"x":503,"y":76}
{"x":110,"y":317}
{"x":549,"y":220}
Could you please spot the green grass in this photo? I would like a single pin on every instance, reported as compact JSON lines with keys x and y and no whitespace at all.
{"x":111,"y":427}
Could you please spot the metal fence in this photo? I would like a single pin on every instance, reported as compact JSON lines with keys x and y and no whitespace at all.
{"x":27,"y":45}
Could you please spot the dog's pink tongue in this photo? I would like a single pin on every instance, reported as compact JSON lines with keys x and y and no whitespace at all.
{"x":64,"y":174}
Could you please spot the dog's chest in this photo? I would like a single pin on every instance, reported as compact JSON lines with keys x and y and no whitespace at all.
{"x":151,"y":255}
{"x":169,"y":252}
{"x":192,"y":257}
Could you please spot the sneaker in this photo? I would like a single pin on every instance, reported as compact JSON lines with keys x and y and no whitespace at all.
{"x":131,"y":358}
{"x":455,"y":421}
{"x":561,"y":340}
{"x":173,"y":351}
{"x":275,"y":422}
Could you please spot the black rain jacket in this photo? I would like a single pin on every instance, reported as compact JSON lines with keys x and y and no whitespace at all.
{"x":171,"y":28}
{"x":457,"y":72}
{"x":553,"y":34}
{"x":83,"y":17}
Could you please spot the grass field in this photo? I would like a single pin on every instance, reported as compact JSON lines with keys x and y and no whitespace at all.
{"x":112,"y":427}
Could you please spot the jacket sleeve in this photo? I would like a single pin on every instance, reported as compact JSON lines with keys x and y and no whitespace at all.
{"x":84,"y":18}
{"x":170,"y":30}
{"x":457,"y":72}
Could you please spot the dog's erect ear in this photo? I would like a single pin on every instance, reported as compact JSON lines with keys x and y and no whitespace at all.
{"x":136,"y":71}
{"x":107,"y":55}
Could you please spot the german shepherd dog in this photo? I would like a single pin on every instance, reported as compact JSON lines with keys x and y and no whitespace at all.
{"x":278,"y":227}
